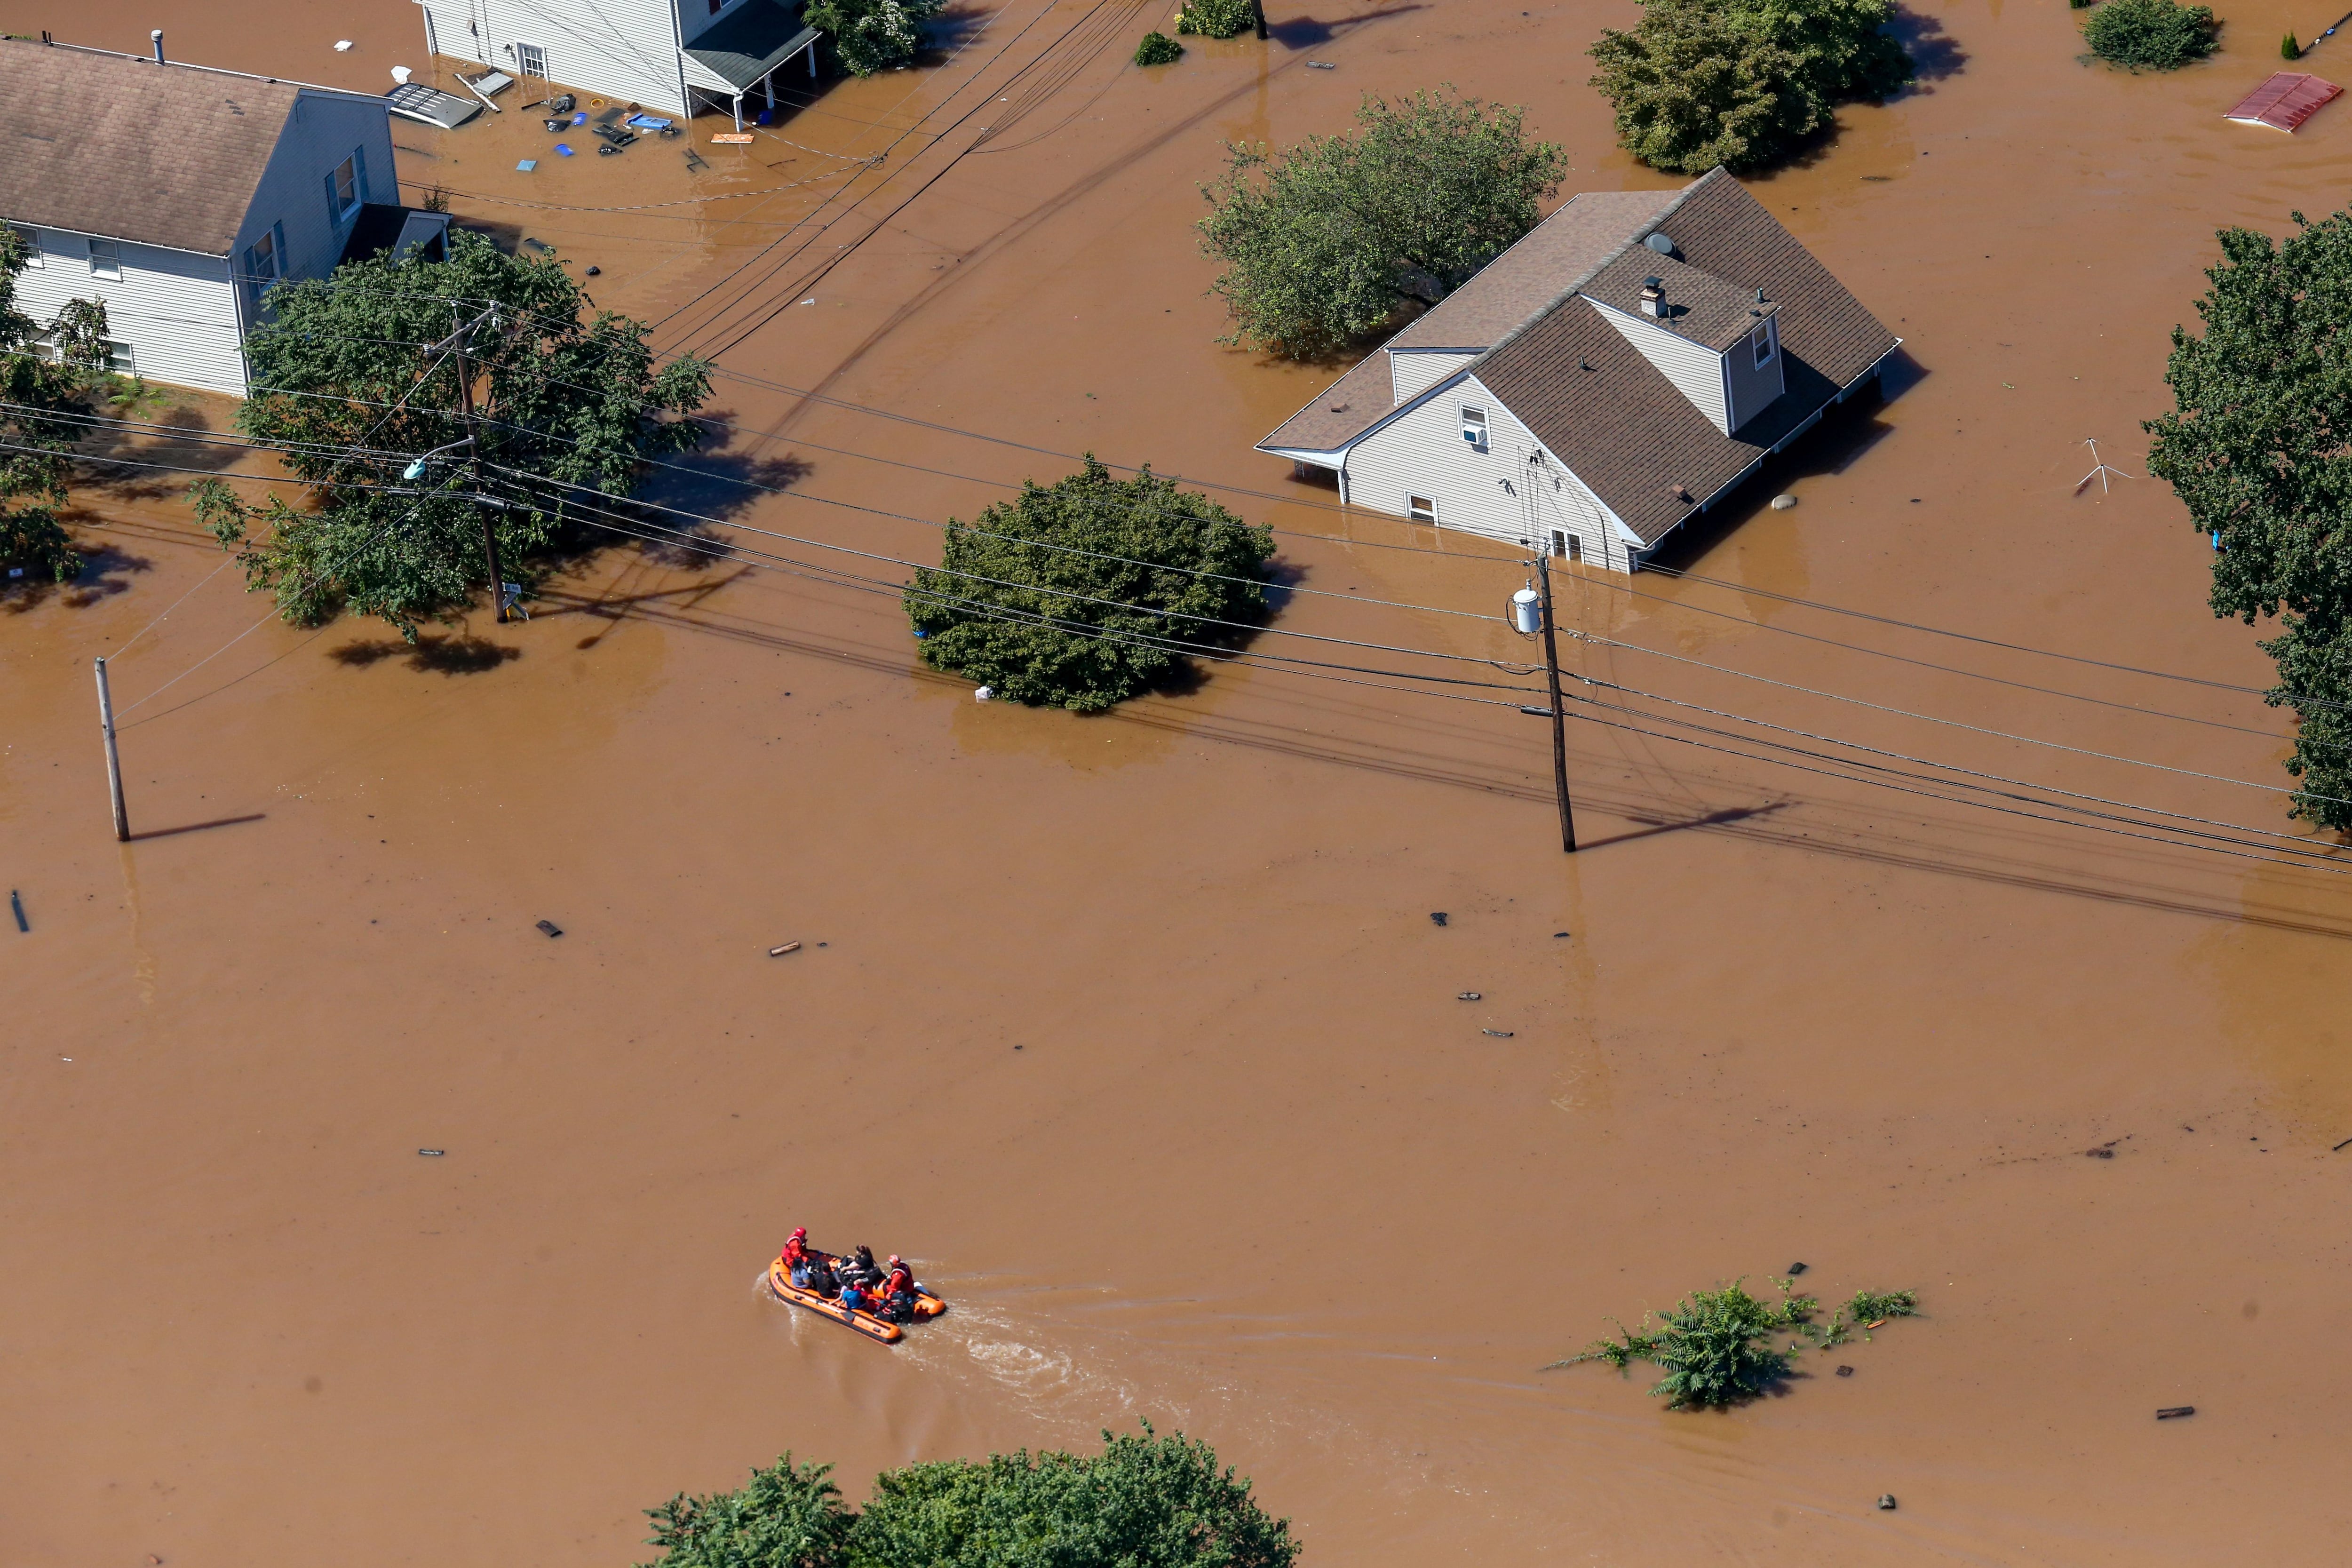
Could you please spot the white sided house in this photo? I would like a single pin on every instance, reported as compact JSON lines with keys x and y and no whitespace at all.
{"x":670,"y":55}
{"x":175,"y":194}
{"x":1614,"y":374}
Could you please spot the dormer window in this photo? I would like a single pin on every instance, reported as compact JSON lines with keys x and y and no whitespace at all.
{"x":1760,"y":340}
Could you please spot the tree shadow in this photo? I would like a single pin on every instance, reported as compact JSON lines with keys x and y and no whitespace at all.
{"x":106,"y":571}
{"x":1310,"y":32}
{"x":111,"y":455}
{"x":1936,"y":55}
{"x":461,"y":655}
{"x":949,"y":31}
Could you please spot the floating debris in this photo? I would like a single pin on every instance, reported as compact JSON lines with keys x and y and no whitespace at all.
{"x":1498,"y":1034}
{"x":780,"y":951}
{"x":2175,"y":1411}
{"x":551,"y":927}
{"x":1470,"y":997}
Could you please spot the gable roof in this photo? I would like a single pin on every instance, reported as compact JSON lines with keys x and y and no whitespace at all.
{"x":1624,"y":429}
{"x":124,"y":148}
{"x":1582,"y":232}
{"x":1701,"y":307}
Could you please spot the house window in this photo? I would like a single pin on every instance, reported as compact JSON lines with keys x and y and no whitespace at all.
{"x":1421,"y":508}
{"x":532,"y":60}
{"x":343,"y":189}
{"x":1473,"y":428}
{"x":265,"y":260}
{"x":32,"y":242}
{"x":1761,"y":340}
{"x":1575,"y":551}
{"x":119,"y":360}
{"x":105,"y":259}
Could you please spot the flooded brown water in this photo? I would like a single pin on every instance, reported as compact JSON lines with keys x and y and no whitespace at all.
{"x":1134,"y":1031}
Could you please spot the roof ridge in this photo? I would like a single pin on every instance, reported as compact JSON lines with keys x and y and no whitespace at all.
{"x":1570,"y":293}
{"x":294,"y":83}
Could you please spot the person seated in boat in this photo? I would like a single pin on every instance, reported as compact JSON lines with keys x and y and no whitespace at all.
{"x":795,"y":1257}
{"x":861,"y":1267}
{"x":899,"y":1292}
{"x":853,"y":1299}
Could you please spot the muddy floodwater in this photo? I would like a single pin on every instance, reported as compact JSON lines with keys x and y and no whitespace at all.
{"x":1134,"y":1031}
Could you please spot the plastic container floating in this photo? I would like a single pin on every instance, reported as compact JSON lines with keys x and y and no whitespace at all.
{"x":563,"y":150}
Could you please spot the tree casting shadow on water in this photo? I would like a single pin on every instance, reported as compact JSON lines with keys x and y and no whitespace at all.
{"x":460,"y":655}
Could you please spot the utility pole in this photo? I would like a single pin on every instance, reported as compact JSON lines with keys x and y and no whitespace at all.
{"x":1257,"y":8}
{"x":1559,"y":715}
{"x":114,"y":757}
{"x":490,"y":514}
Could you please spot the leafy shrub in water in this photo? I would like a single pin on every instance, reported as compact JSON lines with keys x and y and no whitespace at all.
{"x":1144,"y":1501}
{"x":1072,"y":596}
{"x":2289,"y":49}
{"x":1216,"y":19}
{"x":2150,"y":35}
{"x":1337,"y":235}
{"x":1715,"y":1347}
{"x":1158,"y":49}
{"x":1738,"y":83}
{"x":870,"y":36}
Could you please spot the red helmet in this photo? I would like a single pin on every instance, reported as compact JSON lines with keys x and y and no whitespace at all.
{"x":800,"y":1232}
{"x":894,"y":1260}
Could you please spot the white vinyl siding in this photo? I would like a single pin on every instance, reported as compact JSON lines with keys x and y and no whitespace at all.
{"x":173,"y":314}
{"x":1412,"y":372}
{"x":622,"y":49}
{"x":294,"y":207}
{"x":1696,"y":369}
{"x":1420,"y":452}
{"x":1749,"y":388}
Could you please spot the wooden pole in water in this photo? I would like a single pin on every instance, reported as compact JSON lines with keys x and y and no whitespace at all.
{"x":1558,"y":717}
{"x":114,"y":757}
{"x":490,"y":514}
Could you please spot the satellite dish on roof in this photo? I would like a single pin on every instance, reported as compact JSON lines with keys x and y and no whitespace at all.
{"x":1661,"y":244}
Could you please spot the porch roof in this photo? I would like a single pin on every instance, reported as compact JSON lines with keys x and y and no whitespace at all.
{"x":742,"y":47}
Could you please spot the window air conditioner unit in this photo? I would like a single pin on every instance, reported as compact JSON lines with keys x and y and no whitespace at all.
{"x":1473,"y":428}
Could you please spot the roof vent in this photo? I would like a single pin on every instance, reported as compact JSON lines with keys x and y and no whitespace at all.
{"x":1653,"y":297}
{"x":1661,"y":244}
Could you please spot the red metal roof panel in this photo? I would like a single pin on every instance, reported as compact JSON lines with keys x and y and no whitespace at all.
{"x":2284,"y":101}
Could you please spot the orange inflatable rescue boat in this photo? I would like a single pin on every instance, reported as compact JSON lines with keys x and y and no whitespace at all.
{"x":872,"y":1325}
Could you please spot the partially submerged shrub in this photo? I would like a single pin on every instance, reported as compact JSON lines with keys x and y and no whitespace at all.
{"x":1216,"y":19}
{"x":2289,"y":49}
{"x":1715,"y":1347}
{"x":1158,"y":49}
{"x":1738,"y":83}
{"x":869,"y":36}
{"x":1089,"y":591}
{"x":2150,"y":35}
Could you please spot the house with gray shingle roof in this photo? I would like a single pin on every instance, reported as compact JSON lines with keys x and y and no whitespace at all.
{"x":1616,"y":373}
{"x":178,"y":194}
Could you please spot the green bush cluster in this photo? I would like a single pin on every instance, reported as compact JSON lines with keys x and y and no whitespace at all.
{"x":1341,"y":234}
{"x":2151,"y":34}
{"x":1698,"y":84}
{"x":1216,"y":19}
{"x":1714,"y":1346}
{"x":41,"y":394}
{"x":1144,"y":1501}
{"x":1089,"y":591}
{"x":869,"y":36}
{"x":1158,"y":49}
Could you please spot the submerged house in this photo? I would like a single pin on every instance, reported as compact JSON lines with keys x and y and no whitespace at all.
{"x":176,"y":194}
{"x":1619,"y":369}
{"x":675,"y":55}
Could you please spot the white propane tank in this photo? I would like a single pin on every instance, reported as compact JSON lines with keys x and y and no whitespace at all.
{"x":1526,"y":612}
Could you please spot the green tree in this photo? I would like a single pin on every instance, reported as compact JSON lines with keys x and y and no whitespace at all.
{"x":1068,"y":595}
{"x":1158,"y":49}
{"x":784,"y":1517}
{"x":1145,"y":1501}
{"x":36,"y":436}
{"x":1739,"y":83}
{"x":1338,"y":235}
{"x":871,"y":36}
{"x":2255,"y":448}
{"x":2151,"y":34}
{"x":348,"y":384}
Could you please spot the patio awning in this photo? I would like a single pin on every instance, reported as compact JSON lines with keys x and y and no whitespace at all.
{"x":2284,"y":101}
{"x":742,"y":47}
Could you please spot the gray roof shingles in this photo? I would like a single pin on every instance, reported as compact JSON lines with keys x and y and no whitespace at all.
{"x":1621,"y":424}
{"x":166,"y":155}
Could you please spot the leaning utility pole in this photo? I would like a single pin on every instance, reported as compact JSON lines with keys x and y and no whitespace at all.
{"x":1559,"y":715}
{"x":490,"y":514}
{"x":114,"y":757}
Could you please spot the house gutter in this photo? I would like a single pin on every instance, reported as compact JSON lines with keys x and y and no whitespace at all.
{"x":1636,"y":557}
